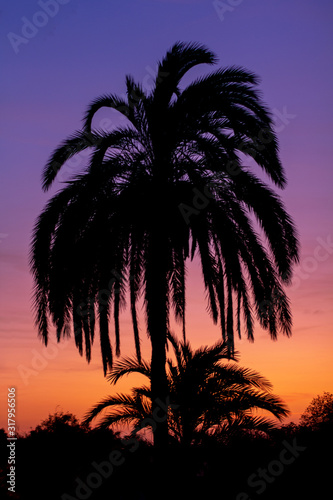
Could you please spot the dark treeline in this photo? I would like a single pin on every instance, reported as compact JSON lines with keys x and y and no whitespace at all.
{"x":63,"y":459}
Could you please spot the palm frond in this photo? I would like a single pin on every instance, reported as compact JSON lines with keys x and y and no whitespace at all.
{"x":78,"y":142}
{"x":124,"y":409}
{"x":106,"y":349}
{"x":177,"y":61}
{"x":178,"y":287}
{"x":127,"y":366}
{"x":110,"y":101}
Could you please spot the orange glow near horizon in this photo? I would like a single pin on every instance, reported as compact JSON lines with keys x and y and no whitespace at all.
{"x":56,"y":378}
{"x":47,"y":88}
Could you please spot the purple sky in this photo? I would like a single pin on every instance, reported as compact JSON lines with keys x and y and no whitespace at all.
{"x":50,"y":73}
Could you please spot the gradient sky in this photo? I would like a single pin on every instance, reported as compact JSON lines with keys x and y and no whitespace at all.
{"x":49,"y":76}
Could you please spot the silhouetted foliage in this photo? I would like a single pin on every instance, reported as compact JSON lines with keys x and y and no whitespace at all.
{"x":208,"y":399}
{"x":319,"y":412}
{"x":166,"y":186}
{"x":292,"y":462}
{"x":60,"y":422}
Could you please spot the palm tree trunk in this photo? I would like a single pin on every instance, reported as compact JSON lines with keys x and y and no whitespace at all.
{"x":187,"y":430}
{"x":159,"y":391}
{"x":157,"y":319}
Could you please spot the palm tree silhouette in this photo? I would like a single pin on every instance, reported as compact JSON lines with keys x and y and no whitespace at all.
{"x":166,"y":186}
{"x":207,"y":397}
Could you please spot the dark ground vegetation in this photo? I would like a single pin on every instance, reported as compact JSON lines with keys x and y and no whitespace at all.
{"x":55,"y":461}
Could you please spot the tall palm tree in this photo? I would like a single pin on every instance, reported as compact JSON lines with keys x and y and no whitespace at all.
{"x":206,"y":396}
{"x":168,"y":185}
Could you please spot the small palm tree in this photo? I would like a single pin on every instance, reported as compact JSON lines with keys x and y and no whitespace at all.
{"x":206,"y":396}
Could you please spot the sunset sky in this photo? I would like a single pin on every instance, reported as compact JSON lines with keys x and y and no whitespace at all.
{"x":57,"y":56}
